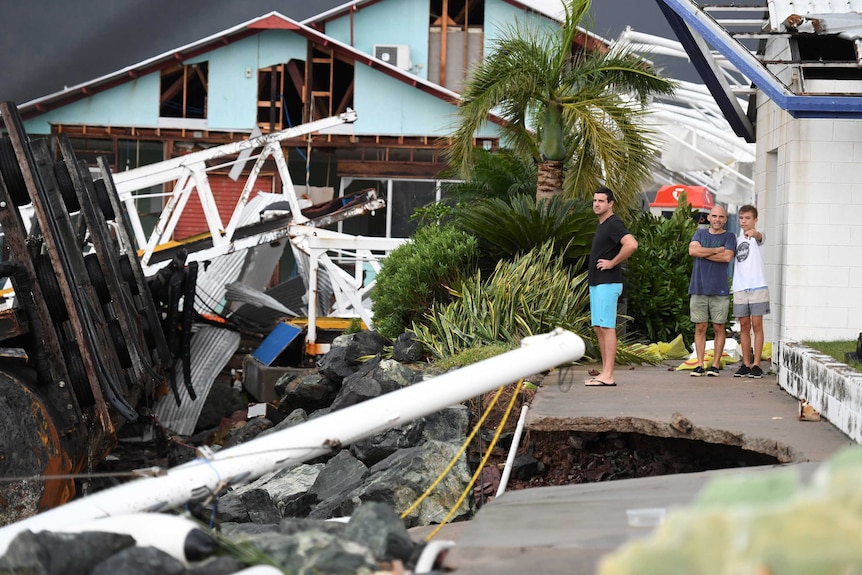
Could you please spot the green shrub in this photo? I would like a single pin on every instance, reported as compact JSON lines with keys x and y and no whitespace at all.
{"x":420,"y":273}
{"x":533,"y":294}
{"x":658,"y":274}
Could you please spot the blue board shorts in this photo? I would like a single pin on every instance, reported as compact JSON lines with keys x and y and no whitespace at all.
{"x":603,"y":304}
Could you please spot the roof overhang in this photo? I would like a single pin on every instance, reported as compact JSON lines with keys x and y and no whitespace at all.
{"x":271,"y":21}
{"x":698,"y":32}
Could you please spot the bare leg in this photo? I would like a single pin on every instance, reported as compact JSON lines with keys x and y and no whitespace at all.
{"x":700,"y":342}
{"x":719,"y":344}
{"x":757,"y":325}
{"x":745,"y":339}
{"x":608,"y":337}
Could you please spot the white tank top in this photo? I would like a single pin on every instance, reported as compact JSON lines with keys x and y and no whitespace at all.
{"x":748,"y":267}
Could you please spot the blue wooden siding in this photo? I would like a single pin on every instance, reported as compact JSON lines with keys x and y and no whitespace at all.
{"x":135,"y":103}
{"x":386,"y":106}
{"x":390,"y":22}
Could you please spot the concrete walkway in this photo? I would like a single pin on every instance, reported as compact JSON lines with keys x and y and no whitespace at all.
{"x":568,"y":529}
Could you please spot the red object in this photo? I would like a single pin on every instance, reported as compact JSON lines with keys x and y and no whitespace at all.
{"x":698,"y":197}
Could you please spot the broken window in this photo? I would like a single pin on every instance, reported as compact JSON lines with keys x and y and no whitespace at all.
{"x":282,"y":93}
{"x":329,"y":83}
{"x":828,"y":57}
{"x":455,"y":40}
{"x":184,"y":92}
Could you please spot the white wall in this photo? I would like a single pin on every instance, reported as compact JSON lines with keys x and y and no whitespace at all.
{"x":809,"y":194}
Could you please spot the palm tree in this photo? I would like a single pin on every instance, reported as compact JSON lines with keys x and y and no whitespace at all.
{"x":574,"y":112}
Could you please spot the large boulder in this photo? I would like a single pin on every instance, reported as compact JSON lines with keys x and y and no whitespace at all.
{"x":308,"y":392}
{"x":314,"y":552}
{"x":47,"y":553}
{"x":373,"y":379}
{"x":407,"y":349}
{"x":402,"y":478}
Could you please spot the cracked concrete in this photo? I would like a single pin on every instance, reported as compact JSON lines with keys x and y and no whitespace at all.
{"x":753,"y":414}
{"x":567,"y":529}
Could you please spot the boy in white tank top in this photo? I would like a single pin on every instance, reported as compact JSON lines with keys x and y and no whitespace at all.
{"x":750,"y":292}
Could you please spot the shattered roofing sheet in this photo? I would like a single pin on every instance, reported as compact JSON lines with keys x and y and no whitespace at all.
{"x":847,"y":26}
{"x":842,"y":18}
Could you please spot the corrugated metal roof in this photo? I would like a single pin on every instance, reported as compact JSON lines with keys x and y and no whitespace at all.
{"x":226,"y":269}
{"x":780,"y":10}
{"x":212,"y":347}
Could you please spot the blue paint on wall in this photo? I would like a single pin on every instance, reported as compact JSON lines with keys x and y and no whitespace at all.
{"x":135,"y":103}
{"x":391,"y":22}
{"x":386,"y":106}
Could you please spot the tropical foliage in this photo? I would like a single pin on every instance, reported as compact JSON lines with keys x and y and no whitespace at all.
{"x":532,"y":294}
{"x":497,"y":174}
{"x":658,"y":274}
{"x":420,"y":273}
{"x":578,"y":109}
{"x":509,"y":227}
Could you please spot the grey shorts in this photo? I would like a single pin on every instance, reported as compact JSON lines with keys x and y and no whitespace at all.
{"x":751,"y":302}
{"x":706,"y":308}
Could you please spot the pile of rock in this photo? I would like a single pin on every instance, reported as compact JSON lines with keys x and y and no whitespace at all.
{"x":284,"y":514}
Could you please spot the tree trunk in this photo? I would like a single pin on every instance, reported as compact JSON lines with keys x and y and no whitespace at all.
{"x":549,"y":181}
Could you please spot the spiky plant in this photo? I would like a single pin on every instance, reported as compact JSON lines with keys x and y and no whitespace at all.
{"x":513,"y":226}
{"x":532,"y":294}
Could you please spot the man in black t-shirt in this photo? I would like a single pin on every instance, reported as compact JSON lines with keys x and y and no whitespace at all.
{"x":612,"y":245}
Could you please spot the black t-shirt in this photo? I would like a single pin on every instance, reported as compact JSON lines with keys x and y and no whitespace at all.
{"x":606,"y":246}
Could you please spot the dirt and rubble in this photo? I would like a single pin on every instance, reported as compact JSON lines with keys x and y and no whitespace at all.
{"x":570,"y":456}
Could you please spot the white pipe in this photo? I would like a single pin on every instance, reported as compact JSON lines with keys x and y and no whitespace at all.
{"x":513,"y":450}
{"x":202,"y":477}
{"x":430,"y":553}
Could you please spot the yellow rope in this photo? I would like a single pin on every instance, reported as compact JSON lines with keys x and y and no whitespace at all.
{"x":457,"y":455}
{"x":469,"y":487}
{"x":479,"y":469}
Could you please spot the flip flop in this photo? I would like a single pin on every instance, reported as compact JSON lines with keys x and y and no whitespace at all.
{"x":599,"y":383}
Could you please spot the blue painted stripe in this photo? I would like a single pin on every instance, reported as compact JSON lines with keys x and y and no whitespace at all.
{"x":796,"y":105}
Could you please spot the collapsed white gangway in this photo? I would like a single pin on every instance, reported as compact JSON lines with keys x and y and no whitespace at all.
{"x":697,"y":144}
{"x":212,"y":472}
{"x":187,"y":175}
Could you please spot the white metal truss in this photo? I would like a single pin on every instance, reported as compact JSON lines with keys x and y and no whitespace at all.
{"x":318,"y":250}
{"x":330,"y":252}
{"x":698,"y":146}
{"x":189,"y":174}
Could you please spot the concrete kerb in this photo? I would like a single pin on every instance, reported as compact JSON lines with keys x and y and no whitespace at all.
{"x":832,"y":388}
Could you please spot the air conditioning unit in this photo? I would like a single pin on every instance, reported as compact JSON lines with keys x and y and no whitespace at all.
{"x":396,"y":54}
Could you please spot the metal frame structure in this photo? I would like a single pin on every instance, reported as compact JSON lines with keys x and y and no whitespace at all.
{"x":311,"y":244}
{"x":189,"y":174}
{"x":700,"y":32}
{"x":707,"y":136}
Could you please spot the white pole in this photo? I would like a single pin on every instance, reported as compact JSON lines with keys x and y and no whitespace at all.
{"x":198,"y":479}
{"x":513,"y":450}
